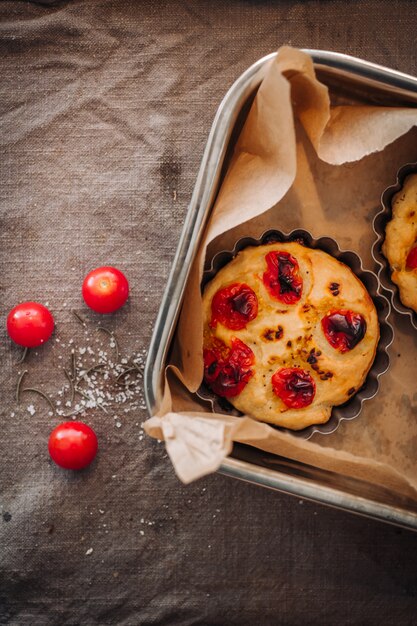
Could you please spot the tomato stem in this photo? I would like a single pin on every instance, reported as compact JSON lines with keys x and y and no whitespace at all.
{"x":19,"y":382}
{"x":78,"y":317}
{"x":112,"y":336}
{"x":72,"y":389}
{"x":23,"y":357}
{"x":40,"y":393}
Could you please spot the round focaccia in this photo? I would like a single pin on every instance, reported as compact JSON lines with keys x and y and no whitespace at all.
{"x":289,"y":332}
{"x":400,"y":245}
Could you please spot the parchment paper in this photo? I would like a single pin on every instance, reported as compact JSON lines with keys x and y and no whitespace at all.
{"x":300,"y":162}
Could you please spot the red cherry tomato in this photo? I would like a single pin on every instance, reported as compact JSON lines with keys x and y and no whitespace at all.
{"x":343,"y":329}
{"x":73,"y":445}
{"x":294,"y":386}
{"x":30,"y":324}
{"x":105,"y":289}
{"x":411,"y":261}
{"x":234,"y":306}
{"x":228,"y":370}
{"x":282,"y":277}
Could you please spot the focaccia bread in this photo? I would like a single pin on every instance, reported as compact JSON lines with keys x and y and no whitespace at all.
{"x":400,"y":245}
{"x":289,"y":332}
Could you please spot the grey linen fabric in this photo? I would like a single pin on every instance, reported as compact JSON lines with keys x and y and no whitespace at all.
{"x":105,"y":111}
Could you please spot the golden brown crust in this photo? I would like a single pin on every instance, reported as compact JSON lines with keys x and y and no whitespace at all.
{"x":400,"y":237}
{"x":288,"y":335}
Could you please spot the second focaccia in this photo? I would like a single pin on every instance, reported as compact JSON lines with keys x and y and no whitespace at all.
{"x":400,"y":245}
{"x":289,"y":332}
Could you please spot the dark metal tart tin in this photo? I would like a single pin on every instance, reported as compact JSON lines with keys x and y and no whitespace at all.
{"x":381,"y":219}
{"x":353,"y":407}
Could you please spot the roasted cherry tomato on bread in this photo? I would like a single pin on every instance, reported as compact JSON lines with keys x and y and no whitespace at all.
{"x":105,"y":289}
{"x":343,"y":329}
{"x":227,"y":370}
{"x":234,"y":306}
{"x":282,"y":277}
{"x":30,"y":324}
{"x":411,"y":262}
{"x":294,"y":386}
{"x":73,"y":445}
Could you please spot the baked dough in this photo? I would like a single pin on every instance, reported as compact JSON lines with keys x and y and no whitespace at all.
{"x":291,"y":335}
{"x":400,"y":238}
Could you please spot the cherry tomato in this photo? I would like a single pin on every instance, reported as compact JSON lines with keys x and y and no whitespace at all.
{"x":294,"y":386}
{"x":228,"y":370}
{"x":282,"y":277}
{"x":30,"y":324}
{"x":343,"y":329}
{"x":411,"y":261}
{"x":234,"y":306}
{"x":105,"y":289}
{"x":73,"y":445}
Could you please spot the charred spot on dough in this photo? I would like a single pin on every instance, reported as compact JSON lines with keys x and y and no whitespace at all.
{"x":312,"y":357}
{"x":334,"y":289}
{"x":411,"y":214}
{"x":351,"y":391}
{"x":326,"y":375}
{"x":289,"y":343}
{"x":281,"y":311}
{"x":272,"y":359}
{"x":273,"y":334}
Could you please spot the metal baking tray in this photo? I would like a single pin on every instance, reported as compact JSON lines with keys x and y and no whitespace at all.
{"x":353,"y":77}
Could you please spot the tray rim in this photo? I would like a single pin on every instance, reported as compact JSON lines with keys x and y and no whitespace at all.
{"x":194,"y":223}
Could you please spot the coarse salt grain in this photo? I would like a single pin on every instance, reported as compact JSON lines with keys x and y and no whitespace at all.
{"x":89,"y":551}
{"x":31,"y":409}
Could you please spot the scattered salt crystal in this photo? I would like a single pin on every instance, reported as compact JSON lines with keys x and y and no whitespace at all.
{"x":89,"y":551}
{"x":141,"y":532}
{"x":82,"y":350}
{"x":118,"y":424}
{"x":12,"y":414}
{"x":101,"y":511}
{"x":31,"y":409}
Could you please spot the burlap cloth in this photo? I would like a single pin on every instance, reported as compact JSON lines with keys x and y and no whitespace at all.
{"x":105,"y":110}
